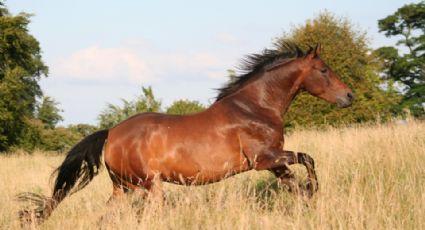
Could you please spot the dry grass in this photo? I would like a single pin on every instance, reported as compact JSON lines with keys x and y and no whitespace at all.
{"x":370,"y":178}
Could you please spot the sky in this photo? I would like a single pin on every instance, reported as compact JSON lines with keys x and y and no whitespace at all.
{"x":101,"y":51}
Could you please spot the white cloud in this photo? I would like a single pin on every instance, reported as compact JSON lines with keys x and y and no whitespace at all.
{"x":95,"y":63}
{"x":198,"y":63}
{"x":135,"y":63}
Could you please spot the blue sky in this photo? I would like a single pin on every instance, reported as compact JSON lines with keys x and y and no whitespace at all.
{"x":101,"y":51}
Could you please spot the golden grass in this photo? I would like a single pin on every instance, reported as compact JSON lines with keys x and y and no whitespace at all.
{"x":370,"y":178}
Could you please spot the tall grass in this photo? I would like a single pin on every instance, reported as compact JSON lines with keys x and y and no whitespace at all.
{"x":370,"y":178}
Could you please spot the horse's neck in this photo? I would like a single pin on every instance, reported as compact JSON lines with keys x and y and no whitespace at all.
{"x":290,"y":86}
{"x":272,"y":92}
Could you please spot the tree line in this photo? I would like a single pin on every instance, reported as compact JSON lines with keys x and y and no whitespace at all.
{"x":388,"y":81}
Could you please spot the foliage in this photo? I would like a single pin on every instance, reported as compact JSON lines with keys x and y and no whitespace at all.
{"x":231,"y":73}
{"x":147,"y":102}
{"x":48,"y":112}
{"x":407,"y":69}
{"x":113,"y":114}
{"x":346,"y":51}
{"x":41,"y":132}
{"x":31,"y":138}
{"x":37,"y":136}
{"x":182,"y":107}
{"x":20,"y":70}
{"x":59,"y":139}
{"x":83,"y":129}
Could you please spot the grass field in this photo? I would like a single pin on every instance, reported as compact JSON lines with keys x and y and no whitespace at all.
{"x":370,"y":178}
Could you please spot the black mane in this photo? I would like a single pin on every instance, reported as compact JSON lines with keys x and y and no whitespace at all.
{"x":255,"y":63}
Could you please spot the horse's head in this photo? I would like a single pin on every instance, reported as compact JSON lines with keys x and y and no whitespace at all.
{"x":320,"y":81}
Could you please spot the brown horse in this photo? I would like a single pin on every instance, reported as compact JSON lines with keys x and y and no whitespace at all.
{"x":241,"y":131}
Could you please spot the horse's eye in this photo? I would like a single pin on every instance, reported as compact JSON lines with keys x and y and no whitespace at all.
{"x":324,"y":70}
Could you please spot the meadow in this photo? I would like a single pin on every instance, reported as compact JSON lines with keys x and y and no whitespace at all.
{"x":370,"y":177}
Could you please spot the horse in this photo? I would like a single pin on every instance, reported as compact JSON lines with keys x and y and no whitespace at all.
{"x":242,"y":130}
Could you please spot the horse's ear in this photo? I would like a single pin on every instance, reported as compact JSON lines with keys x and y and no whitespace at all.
{"x":317,"y":50}
{"x":311,"y":52}
{"x":314,"y":52}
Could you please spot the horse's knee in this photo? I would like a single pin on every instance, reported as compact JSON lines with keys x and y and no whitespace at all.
{"x":282,"y":172}
{"x":305,"y":159}
{"x":290,"y":183}
{"x":312,"y":184}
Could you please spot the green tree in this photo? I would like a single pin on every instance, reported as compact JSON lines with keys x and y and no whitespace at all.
{"x":83,"y":129}
{"x":37,"y":136}
{"x":147,"y":102}
{"x":21,"y":67}
{"x":113,"y":114}
{"x":59,"y":139}
{"x":48,"y":112}
{"x":231,"y":73}
{"x":407,"y":69}
{"x":346,"y":51}
{"x":182,"y":107}
{"x":32,"y":137}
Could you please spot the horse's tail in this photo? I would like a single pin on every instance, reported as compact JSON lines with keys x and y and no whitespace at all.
{"x":80,"y":166}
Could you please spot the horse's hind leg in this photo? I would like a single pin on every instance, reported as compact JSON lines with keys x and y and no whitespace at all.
{"x":119,"y":191}
{"x":123,"y":189}
{"x":287,"y":177}
{"x":149,"y":188}
{"x":154,"y":187}
{"x":119,"y":188}
{"x":308,"y":162}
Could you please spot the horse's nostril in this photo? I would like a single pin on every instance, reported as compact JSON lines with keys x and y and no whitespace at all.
{"x":350,"y":96}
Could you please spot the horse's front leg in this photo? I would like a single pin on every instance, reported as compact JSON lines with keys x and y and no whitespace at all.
{"x":286,"y":178}
{"x":277,"y":161}
{"x":312,"y":183}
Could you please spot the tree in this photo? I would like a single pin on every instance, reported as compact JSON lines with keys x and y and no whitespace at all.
{"x":182,"y":107}
{"x":147,"y":101}
{"x":83,"y":129}
{"x":113,"y":114}
{"x":48,"y":112}
{"x":21,"y":67}
{"x":59,"y":139}
{"x":406,"y":69}
{"x":346,"y":51}
{"x":37,"y":136}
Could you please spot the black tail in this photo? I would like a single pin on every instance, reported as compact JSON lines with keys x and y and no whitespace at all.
{"x":80,"y":166}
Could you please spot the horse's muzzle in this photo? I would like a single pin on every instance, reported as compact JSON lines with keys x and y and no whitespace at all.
{"x":345,"y":100}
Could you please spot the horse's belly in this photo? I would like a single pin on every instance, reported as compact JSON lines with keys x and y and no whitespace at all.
{"x":200,"y":168}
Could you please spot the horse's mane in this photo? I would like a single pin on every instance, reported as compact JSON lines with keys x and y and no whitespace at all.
{"x":255,"y":63}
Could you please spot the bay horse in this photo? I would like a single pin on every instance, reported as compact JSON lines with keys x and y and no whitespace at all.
{"x":242,"y":130}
